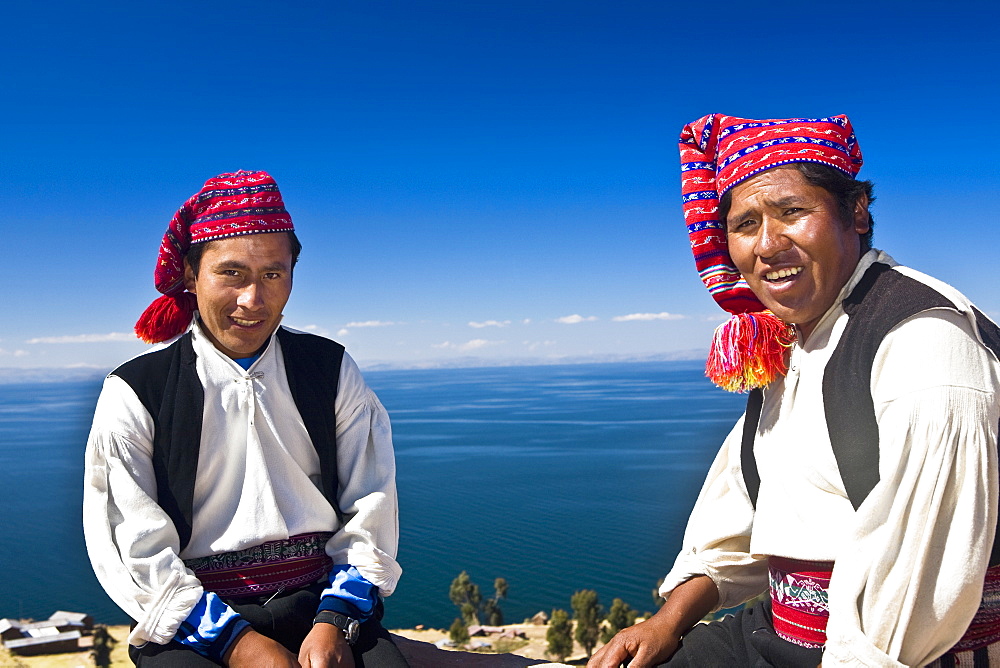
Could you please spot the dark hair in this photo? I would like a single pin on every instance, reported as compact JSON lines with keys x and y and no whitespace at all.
{"x":844,"y":189}
{"x":194,"y":253}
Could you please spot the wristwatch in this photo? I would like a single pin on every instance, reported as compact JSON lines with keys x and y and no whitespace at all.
{"x":351,"y":627}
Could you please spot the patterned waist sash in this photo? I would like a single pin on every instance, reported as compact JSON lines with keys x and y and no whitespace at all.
{"x":799,"y":603}
{"x":799,"y":600}
{"x":273,"y":566}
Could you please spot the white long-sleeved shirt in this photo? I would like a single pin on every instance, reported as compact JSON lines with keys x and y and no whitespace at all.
{"x":910,"y":561}
{"x":258,"y":480}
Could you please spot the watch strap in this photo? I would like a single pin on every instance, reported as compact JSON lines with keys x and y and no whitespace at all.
{"x":350,"y":626}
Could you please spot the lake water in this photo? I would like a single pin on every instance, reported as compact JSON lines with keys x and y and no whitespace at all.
{"x":557,"y":478}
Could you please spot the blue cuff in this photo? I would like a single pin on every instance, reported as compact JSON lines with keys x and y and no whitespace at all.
{"x":349,"y":594}
{"x":211,"y":627}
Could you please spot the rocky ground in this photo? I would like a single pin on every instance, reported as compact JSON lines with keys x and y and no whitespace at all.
{"x":532,"y":648}
{"x":416,"y":644}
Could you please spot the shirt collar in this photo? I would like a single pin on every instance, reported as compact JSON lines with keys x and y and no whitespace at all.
{"x":204,"y":344}
{"x":866,"y":261}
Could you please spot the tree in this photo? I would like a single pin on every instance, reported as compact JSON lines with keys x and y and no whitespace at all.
{"x":500,"y":587}
{"x":587,"y":613}
{"x":465,"y":594}
{"x":469,"y":613}
{"x":459,"y":632}
{"x":621,"y":616}
{"x":491,"y":608}
{"x":559,"y":636}
{"x":103,"y":643}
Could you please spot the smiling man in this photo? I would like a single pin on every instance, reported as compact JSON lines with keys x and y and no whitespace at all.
{"x":240,"y":500}
{"x":858,"y":494}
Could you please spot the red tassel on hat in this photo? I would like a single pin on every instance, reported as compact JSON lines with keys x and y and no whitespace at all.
{"x":166,"y":317}
{"x":748,"y":351}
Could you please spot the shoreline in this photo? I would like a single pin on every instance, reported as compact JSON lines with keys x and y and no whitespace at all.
{"x":417,"y":642}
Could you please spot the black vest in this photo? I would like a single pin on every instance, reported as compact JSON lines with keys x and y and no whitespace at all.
{"x":167,"y":384}
{"x":881,"y":300}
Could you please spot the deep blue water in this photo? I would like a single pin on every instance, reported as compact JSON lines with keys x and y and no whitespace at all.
{"x":556,"y":478}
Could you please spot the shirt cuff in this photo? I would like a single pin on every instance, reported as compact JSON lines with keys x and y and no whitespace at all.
{"x":211,"y":627}
{"x":349,"y":593}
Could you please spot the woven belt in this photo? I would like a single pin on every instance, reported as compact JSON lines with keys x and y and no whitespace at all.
{"x":799,"y":600}
{"x":273,"y":566}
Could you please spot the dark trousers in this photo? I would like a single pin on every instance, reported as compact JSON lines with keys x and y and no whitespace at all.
{"x":286,"y":618}
{"x":744,"y":640}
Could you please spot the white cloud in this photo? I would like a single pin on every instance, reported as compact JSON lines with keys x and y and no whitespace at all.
{"x":346,"y":329}
{"x":576,"y":318}
{"x":526,"y":321}
{"x":474,"y":344}
{"x":13,"y":353}
{"x":371,"y":323}
{"x":489,"y":323}
{"x":316,"y":329}
{"x":535,"y":345}
{"x":648,"y":316}
{"x":86,"y":338}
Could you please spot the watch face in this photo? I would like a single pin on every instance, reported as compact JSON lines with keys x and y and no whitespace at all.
{"x":351,"y":629}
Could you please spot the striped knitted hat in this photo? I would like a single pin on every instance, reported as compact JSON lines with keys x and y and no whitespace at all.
{"x":228,"y":205}
{"x":717,"y":152}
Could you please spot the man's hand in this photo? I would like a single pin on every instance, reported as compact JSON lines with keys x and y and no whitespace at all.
{"x":653,"y":641}
{"x":325,"y":647}
{"x":253,"y":650}
{"x":643,"y":645}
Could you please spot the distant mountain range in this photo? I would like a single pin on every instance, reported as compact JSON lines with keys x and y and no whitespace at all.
{"x":11,"y":375}
{"x":472,"y":362}
{"x":52,"y":374}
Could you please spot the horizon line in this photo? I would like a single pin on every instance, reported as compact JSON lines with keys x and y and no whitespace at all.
{"x":41,"y":374}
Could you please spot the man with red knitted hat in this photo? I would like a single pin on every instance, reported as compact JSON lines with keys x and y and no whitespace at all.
{"x":857,"y":496}
{"x":240,"y":500}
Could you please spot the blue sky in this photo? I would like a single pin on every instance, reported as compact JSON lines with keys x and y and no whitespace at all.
{"x":487,"y":179}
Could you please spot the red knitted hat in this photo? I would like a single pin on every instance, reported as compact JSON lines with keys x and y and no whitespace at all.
{"x":718,"y":152}
{"x":228,"y":205}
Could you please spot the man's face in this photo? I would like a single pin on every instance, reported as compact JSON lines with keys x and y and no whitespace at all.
{"x":242,"y":286}
{"x":792,"y":245}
